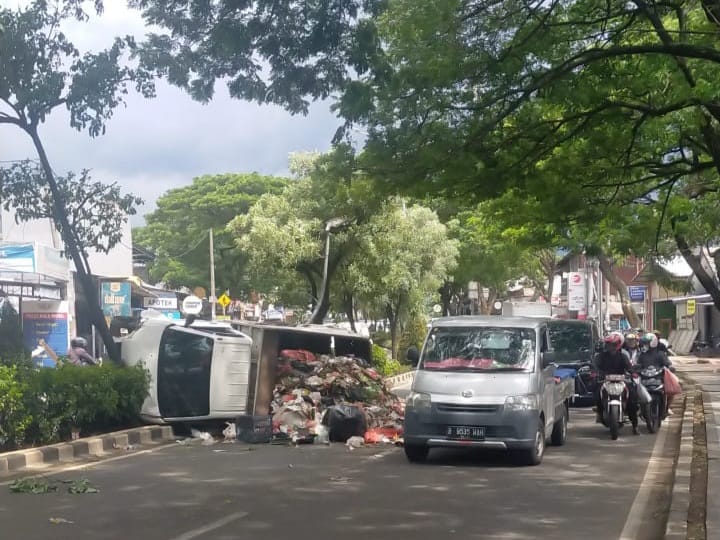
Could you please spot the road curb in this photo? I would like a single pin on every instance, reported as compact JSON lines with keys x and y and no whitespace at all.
{"x":397,"y":380}
{"x":676,"y":528}
{"x":91,"y":446}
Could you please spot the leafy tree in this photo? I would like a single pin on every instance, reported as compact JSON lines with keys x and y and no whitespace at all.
{"x":40,"y":71}
{"x":285,"y":53}
{"x":617,"y":99}
{"x":405,"y":256}
{"x":284,"y":235}
{"x":176,"y":231}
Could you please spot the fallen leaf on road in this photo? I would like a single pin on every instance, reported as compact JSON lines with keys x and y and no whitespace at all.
{"x":58,"y":521}
{"x":33,"y":485}
{"x":82,"y":486}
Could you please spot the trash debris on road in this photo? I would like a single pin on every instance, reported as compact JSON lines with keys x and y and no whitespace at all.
{"x":230,"y":432}
{"x":355,"y":442}
{"x":204,"y":436}
{"x":59,"y":521}
{"x":325,"y":398}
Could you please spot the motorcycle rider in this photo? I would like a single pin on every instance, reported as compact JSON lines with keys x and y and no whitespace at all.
{"x":615,"y":361}
{"x":632,"y":347}
{"x":652,"y":355}
{"x":661,"y":346}
{"x":78,"y":354}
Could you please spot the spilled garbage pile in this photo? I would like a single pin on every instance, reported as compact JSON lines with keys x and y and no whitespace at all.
{"x":323,"y":398}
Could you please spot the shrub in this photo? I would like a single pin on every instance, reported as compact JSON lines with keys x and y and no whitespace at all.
{"x":413,"y":335}
{"x":11,"y":336}
{"x":14,"y":416}
{"x":91,"y":399}
{"x":385,"y":365}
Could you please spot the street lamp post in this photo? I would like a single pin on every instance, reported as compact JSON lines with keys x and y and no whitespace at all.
{"x":329,"y":226}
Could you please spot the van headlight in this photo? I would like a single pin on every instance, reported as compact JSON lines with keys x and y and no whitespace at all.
{"x":418,"y":401}
{"x":526,"y":402}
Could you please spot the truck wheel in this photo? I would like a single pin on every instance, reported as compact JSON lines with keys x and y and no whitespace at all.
{"x":559,"y":433}
{"x":533,"y":456}
{"x":416,"y":453}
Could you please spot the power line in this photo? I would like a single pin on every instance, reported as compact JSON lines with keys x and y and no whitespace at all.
{"x":200,"y":241}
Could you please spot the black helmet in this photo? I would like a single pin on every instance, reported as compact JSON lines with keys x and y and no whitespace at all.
{"x":80,"y":342}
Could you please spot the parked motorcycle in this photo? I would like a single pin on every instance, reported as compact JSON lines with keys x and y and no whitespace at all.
{"x":614,"y":396}
{"x":654,"y":412}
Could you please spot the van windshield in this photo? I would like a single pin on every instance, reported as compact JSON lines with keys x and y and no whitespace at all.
{"x":480,"y":349}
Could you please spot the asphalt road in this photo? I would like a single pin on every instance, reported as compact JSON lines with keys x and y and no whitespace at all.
{"x":228,"y":491}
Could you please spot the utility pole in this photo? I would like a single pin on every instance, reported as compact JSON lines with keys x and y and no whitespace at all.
{"x":213,"y":300}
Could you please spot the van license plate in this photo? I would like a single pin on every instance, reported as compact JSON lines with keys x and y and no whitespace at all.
{"x":466,"y":432}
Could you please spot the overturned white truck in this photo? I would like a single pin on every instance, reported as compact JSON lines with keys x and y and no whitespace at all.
{"x":199,"y":371}
{"x":209,"y":371}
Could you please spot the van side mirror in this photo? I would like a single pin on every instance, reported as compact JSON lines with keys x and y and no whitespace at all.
{"x":413,"y":356}
{"x":548,"y":358}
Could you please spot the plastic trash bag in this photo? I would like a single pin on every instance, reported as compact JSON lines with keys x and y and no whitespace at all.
{"x":344,"y":421}
{"x":672,"y":383}
{"x":643,"y":394}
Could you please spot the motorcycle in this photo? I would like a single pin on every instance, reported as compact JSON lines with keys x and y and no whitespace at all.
{"x":652,"y":378}
{"x":614,"y":396}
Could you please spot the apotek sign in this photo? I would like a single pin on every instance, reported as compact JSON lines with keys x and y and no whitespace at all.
{"x":163,"y":302}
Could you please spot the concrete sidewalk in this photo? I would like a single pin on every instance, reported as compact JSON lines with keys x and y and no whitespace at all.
{"x":705,"y":374}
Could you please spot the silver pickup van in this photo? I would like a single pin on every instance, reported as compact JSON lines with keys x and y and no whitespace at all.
{"x":487,"y":382}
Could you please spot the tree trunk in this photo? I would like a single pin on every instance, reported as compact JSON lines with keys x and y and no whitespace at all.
{"x":71,"y":245}
{"x":445,"y":298}
{"x":348,"y":302}
{"x":393,"y":315}
{"x":695,"y":263}
{"x":628,"y":310}
{"x":321,"y":311}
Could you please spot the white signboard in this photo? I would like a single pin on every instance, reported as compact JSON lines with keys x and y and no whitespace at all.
{"x":192,"y":305}
{"x":166,"y":302}
{"x":576,"y":292}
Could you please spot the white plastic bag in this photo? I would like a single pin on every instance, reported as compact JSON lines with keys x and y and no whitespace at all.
{"x":643,"y":394}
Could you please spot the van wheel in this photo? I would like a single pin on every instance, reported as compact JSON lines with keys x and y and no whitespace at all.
{"x":533,"y":456}
{"x":559,"y":433}
{"x":416,"y":453}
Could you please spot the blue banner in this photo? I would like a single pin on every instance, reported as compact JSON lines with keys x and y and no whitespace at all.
{"x":52,"y":328}
{"x":17,"y":257}
{"x":637,"y":293}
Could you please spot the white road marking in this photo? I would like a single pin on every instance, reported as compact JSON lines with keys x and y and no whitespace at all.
{"x":52,"y":472}
{"x":656,"y":467}
{"x":211,"y":526}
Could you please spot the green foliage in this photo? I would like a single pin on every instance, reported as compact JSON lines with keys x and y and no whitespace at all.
{"x":177,"y":230}
{"x":96,"y":212}
{"x":35,"y":486}
{"x":43,"y":406}
{"x":15,"y":418}
{"x":268,"y":52}
{"x":12,"y":349}
{"x":413,"y":334}
{"x":386,"y":366}
{"x":404,"y":257}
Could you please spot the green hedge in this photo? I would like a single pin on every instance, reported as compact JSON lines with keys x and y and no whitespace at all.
{"x":385,"y":365}
{"x":43,"y":406}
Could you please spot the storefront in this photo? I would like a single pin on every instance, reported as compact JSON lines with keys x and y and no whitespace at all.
{"x":35,"y":279}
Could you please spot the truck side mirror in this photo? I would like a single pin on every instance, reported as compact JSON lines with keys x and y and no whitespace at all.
{"x":413,"y":356}
{"x":548,"y":358}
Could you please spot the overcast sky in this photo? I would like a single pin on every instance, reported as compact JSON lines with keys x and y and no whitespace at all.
{"x":153,"y":145}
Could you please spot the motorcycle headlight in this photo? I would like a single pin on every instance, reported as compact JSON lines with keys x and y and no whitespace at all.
{"x":418,"y":401}
{"x":526,"y":402}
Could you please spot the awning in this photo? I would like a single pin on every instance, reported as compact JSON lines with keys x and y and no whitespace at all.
{"x":699,"y":299}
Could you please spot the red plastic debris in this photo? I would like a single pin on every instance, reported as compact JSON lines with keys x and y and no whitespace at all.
{"x":378,"y":435}
{"x":298,"y":354}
